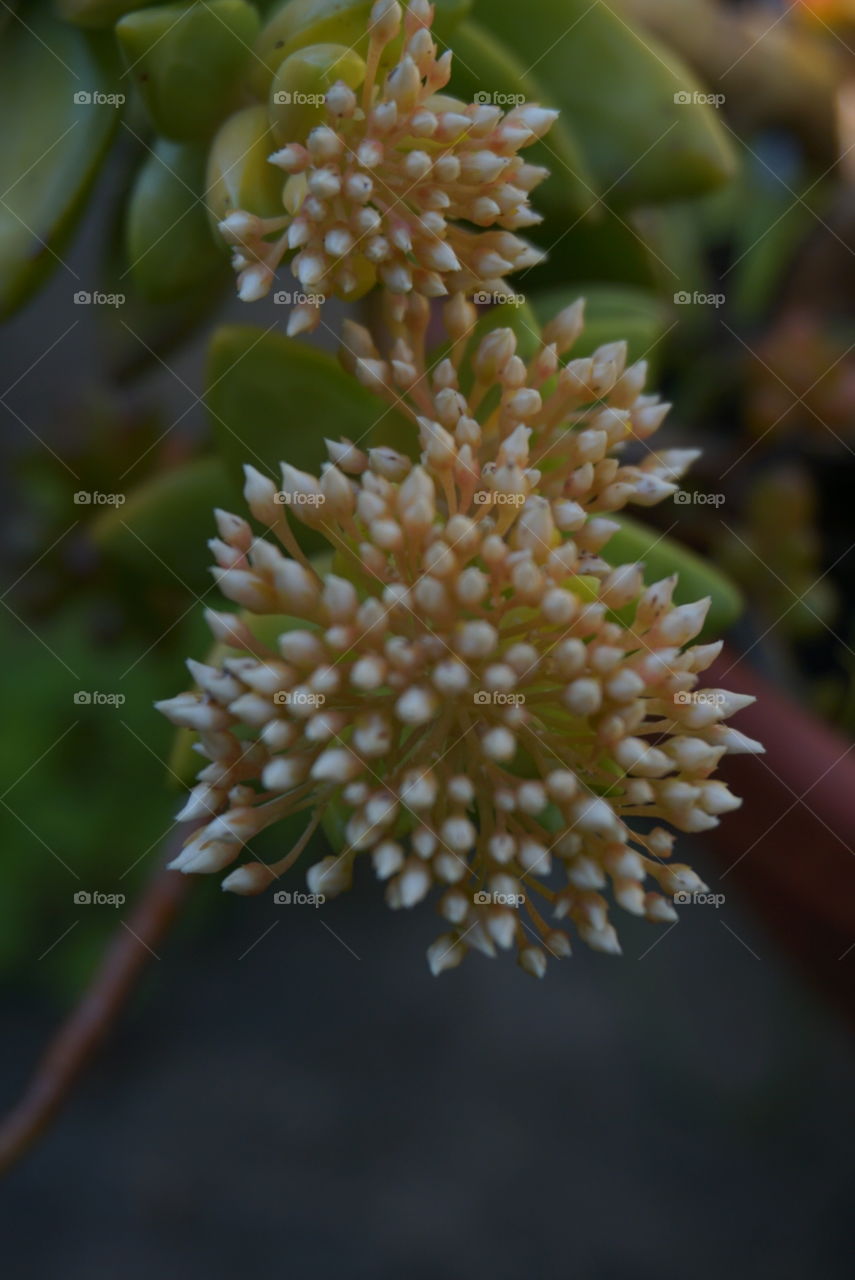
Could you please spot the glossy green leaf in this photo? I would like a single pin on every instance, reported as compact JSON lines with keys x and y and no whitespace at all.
{"x":612,"y":313}
{"x":96,"y":13}
{"x":240,"y":175}
{"x":298,"y":23}
{"x":630,"y":101}
{"x":161,"y":532}
{"x":57,"y":96}
{"x":662,"y":556}
{"x":170,"y":244}
{"x":485,"y":69}
{"x":272,"y":398}
{"x":301,"y":83}
{"x":185,"y":60}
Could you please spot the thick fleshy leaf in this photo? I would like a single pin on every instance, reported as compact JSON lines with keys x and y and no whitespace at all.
{"x":612,"y":313}
{"x":662,"y":556}
{"x":184,"y":61}
{"x":161,"y":532}
{"x":170,"y":243}
{"x":633,"y":105}
{"x":58,"y":94}
{"x":96,"y":13}
{"x":302,"y":22}
{"x":486,"y":70}
{"x":239,"y":174}
{"x":273,"y":399}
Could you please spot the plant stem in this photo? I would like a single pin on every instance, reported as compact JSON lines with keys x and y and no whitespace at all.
{"x":81,"y":1035}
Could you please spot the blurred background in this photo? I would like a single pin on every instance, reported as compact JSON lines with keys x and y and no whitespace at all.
{"x":292,"y":1083}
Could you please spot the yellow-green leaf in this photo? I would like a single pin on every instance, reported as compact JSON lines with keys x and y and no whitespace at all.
{"x":185,"y":59}
{"x":58,"y":97}
{"x":171,"y":247}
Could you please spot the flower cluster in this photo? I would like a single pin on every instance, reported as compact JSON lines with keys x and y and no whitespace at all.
{"x":378,"y":191}
{"x":487,"y":706}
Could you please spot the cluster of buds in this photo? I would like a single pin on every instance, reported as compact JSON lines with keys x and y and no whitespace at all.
{"x":378,"y":191}
{"x":486,"y":706}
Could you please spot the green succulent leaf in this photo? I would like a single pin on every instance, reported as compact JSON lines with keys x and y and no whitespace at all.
{"x":171,"y":248}
{"x":485,"y":69}
{"x":298,"y":23}
{"x":160,"y":534}
{"x":96,"y":13}
{"x":629,"y":100}
{"x":272,"y":398}
{"x":636,"y":543}
{"x":185,"y":60}
{"x":239,"y":174}
{"x":612,"y":312}
{"x":57,"y":94}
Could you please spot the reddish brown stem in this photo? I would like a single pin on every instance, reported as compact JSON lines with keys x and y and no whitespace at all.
{"x":77,"y":1040}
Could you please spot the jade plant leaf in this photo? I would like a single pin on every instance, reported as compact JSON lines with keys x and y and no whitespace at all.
{"x":636,"y":543}
{"x":634,"y":106}
{"x":161,"y":533}
{"x":185,"y":59}
{"x":486,"y":70}
{"x":96,"y":13}
{"x":298,"y":23}
{"x":58,"y":94}
{"x":271,"y":398}
{"x":612,"y":312}
{"x":170,"y":244}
